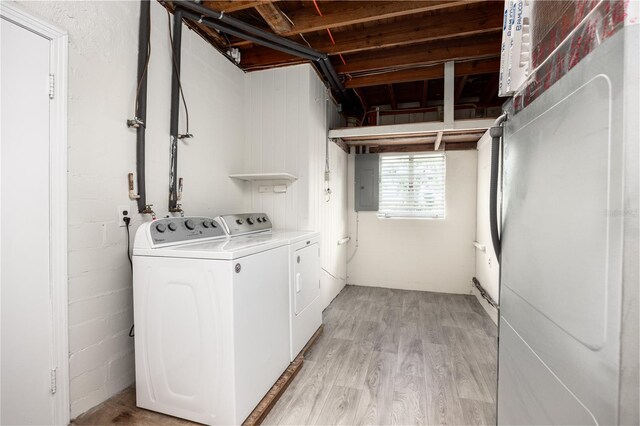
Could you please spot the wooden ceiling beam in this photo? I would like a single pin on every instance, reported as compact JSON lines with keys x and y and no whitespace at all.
{"x":392,"y":97}
{"x":411,"y":31}
{"x":341,"y":13}
{"x":229,"y":6}
{"x":432,"y":72}
{"x":416,"y":55}
{"x":422,"y":54}
{"x":425,"y":93}
{"x":423,"y":147}
{"x":274,"y":17}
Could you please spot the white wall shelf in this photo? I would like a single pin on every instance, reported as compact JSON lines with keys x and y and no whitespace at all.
{"x":264,"y":176}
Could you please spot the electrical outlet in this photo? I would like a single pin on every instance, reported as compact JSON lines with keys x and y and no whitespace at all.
{"x":123,"y":211}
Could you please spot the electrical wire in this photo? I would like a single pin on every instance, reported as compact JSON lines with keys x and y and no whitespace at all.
{"x":315,"y":3}
{"x":175,"y":68}
{"x":127,"y":222}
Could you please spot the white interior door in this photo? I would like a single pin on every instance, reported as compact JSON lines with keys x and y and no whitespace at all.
{"x":26,"y":316}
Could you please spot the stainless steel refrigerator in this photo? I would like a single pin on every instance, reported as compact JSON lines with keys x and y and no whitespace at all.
{"x":568,"y":329}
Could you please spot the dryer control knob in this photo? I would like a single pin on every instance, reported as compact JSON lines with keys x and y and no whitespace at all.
{"x":264,"y":218}
{"x":172,"y":226}
{"x":250,"y":221}
{"x":190,"y":225}
{"x":214,"y":224}
{"x":239,"y":221}
{"x":161,"y":228}
{"x":205,"y":224}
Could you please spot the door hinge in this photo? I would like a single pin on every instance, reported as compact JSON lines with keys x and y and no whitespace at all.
{"x":54,"y":380}
{"x":52,"y":86}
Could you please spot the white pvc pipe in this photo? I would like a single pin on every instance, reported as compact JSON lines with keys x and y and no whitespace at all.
{"x":480,"y":246}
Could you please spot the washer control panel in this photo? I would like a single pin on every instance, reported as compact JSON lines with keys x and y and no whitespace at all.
{"x":182,"y":229}
{"x":244,"y":223}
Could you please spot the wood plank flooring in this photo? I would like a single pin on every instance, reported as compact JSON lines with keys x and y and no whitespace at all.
{"x":386,"y":357}
{"x":396,"y":357}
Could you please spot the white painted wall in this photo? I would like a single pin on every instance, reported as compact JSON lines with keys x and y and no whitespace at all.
{"x":487,"y":268}
{"x":286,"y":127}
{"x":102,"y":79}
{"x":420,"y":254}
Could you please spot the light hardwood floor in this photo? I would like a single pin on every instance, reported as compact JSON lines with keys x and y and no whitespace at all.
{"x":385,"y":357}
{"x":396,"y":357}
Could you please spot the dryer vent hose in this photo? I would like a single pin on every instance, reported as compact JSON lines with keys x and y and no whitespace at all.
{"x":496,"y":133}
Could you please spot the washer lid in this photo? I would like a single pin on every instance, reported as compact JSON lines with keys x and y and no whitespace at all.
{"x":218,"y":249}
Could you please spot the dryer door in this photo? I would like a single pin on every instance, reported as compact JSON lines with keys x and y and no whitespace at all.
{"x":306,"y":276}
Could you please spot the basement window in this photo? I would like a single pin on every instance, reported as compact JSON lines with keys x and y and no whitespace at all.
{"x":412,"y":186}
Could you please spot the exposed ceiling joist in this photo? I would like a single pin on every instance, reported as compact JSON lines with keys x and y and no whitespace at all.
{"x":462,"y":146}
{"x":419,"y":54}
{"x":406,"y":56}
{"x":229,"y":6}
{"x":425,"y":73}
{"x":425,"y":93}
{"x":341,"y":13}
{"x":392,"y":97}
{"x":274,"y":17}
{"x":391,"y":51}
{"x":447,"y":25}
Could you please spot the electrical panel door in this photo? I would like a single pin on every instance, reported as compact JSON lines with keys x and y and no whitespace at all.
{"x":367,"y":178}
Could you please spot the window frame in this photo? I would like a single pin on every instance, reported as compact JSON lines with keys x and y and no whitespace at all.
{"x":407,"y":215}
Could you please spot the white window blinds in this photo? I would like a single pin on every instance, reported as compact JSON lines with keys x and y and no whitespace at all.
{"x":412,"y":185}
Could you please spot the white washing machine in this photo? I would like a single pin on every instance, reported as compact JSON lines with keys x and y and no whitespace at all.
{"x":305,"y":310}
{"x":211,"y":315}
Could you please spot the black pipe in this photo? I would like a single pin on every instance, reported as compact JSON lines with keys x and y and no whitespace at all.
{"x":175,"y":110}
{"x":250,"y":29}
{"x":226,"y":29}
{"x":267,"y":39}
{"x":333,"y":73}
{"x":141,"y":101}
{"x":496,"y":135}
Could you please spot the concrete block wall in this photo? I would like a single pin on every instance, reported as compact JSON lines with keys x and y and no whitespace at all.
{"x":103,"y":40}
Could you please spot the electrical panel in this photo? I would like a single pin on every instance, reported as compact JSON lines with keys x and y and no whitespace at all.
{"x":367,"y":179}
